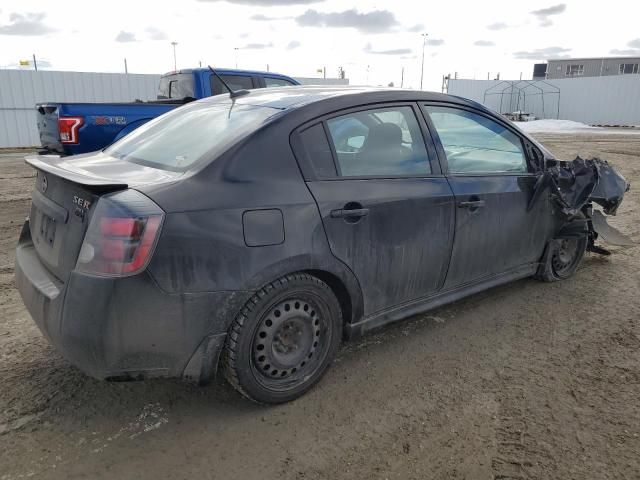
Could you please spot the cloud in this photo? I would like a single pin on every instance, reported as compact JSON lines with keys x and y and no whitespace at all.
{"x":267,"y":3}
{"x":293,"y":45}
{"x":629,"y":52}
{"x":544,"y":14}
{"x":377,"y":21}
{"x":434,"y":42}
{"x":634,"y":50}
{"x":542,"y":53}
{"x":257,"y":46}
{"x":418,"y":27}
{"x":498,"y":26}
{"x":125,"y":37}
{"x":397,"y":51}
{"x":484,"y":43}
{"x":31,"y":24}
{"x":156,"y":34}
{"x":258,"y":17}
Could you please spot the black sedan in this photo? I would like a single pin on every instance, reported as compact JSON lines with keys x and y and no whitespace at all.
{"x":253,"y":232}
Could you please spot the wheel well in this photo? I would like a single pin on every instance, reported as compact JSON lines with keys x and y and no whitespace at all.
{"x":340,"y":291}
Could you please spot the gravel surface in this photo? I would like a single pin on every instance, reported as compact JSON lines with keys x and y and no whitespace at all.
{"x":525,"y":381}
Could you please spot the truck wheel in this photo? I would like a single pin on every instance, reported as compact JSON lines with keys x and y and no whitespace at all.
{"x":283,"y":340}
{"x":562,"y":259}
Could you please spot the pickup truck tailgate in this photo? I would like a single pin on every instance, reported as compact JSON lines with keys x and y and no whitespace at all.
{"x":48,"y":126}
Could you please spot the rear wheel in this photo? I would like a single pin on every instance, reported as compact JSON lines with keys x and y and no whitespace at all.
{"x":283,"y":340}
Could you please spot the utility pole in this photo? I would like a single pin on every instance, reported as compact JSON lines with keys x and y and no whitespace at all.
{"x":175,"y":63}
{"x":126,"y":70}
{"x":424,"y":42}
{"x":324,"y":72}
{"x":402,"y":78}
{"x":35,"y":64}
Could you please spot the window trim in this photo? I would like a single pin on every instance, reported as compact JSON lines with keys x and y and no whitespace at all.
{"x":443,"y":156}
{"x":436,"y":169}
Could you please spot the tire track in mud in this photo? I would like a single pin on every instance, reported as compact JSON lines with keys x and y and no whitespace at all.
{"x":511,"y":460}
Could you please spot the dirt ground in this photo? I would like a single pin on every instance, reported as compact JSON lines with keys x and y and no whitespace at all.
{"x":525,"y":381}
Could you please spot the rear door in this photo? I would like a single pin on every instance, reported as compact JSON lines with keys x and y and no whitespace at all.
{"x":492,"y":180}
{"x":386,"y":207}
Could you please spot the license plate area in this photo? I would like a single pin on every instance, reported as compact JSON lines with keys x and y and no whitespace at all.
{"x":47,"y":229}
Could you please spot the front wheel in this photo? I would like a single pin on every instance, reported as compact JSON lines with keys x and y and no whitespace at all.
{"x":283,"y":340}
{"x":563,"y":258}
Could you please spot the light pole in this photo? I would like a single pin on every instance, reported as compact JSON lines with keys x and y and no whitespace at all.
{"x":175,"y":63}
{"x":236,"y":52}
{"x":424,"y":42}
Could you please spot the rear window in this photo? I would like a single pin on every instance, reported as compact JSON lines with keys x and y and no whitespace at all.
{"x":178,"y":85}
{"x":195,"y":132}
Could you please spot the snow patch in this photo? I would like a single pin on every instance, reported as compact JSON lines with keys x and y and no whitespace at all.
{"x":556,"y":126}
{"x":569,"y":126}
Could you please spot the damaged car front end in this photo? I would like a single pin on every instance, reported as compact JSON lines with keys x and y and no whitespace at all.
{"x":575,"y":187}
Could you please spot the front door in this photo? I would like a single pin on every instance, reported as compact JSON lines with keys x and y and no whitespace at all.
{"x":490,"y":177}
{"x":388,"y":211}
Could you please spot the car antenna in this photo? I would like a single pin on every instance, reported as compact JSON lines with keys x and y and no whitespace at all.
{"x":232,"y":93}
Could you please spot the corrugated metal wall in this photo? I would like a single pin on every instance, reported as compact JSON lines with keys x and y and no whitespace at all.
{"x":21,"y":90}
{"x":613,"y":100}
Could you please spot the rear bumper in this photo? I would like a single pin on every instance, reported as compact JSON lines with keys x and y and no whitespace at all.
{"x":125,"y":328}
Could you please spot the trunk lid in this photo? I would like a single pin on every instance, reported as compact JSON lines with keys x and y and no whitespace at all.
{"x":47,"y":120}
{"x":65,"y":196}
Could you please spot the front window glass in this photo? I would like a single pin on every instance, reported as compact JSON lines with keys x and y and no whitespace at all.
{"x":276,"y":82}
{"x":475,"y":144}
{"x":235,"y":82}
{"x":178,"y":139}
{"x":385,"y":141}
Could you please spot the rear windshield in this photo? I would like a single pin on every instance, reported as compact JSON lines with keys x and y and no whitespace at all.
{"x":196,"y":132}
{"x":178,"y":85}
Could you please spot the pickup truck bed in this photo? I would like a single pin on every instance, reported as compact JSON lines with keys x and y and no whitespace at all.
{"x":74,"y":128}
{"x":113,"y":121}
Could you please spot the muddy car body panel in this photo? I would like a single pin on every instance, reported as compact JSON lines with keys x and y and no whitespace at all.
{"x":276,"y":192}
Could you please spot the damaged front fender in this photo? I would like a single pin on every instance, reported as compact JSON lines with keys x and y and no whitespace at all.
{"x":574,"y":186}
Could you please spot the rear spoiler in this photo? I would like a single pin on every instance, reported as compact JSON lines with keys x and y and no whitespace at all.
{"x":57,"y":166}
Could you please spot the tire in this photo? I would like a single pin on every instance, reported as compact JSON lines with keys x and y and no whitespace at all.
{"x":283,"y":340}
{"x":562,"y":259}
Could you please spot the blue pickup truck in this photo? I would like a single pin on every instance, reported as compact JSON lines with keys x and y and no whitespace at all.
{"x":72,"y":128}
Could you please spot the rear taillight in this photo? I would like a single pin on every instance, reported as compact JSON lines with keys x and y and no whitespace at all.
{"x":68,"y":128}
{"x":121,"y":236}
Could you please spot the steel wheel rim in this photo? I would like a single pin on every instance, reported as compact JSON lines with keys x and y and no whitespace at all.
{"x":290,"y":342}
{"x":564,"y":257}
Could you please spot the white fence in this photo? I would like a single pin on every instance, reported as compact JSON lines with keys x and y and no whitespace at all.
{"x":20,"y":90}
{"x":610,"y":100}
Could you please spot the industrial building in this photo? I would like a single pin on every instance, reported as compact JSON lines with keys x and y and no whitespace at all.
{"x":586,"y":67}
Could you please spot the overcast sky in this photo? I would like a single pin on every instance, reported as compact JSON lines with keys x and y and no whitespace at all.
{"x":371,"y":40}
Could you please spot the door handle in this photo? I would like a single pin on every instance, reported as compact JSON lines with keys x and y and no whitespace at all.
{"x":471,"y":204}
{"x":349,"y":213}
